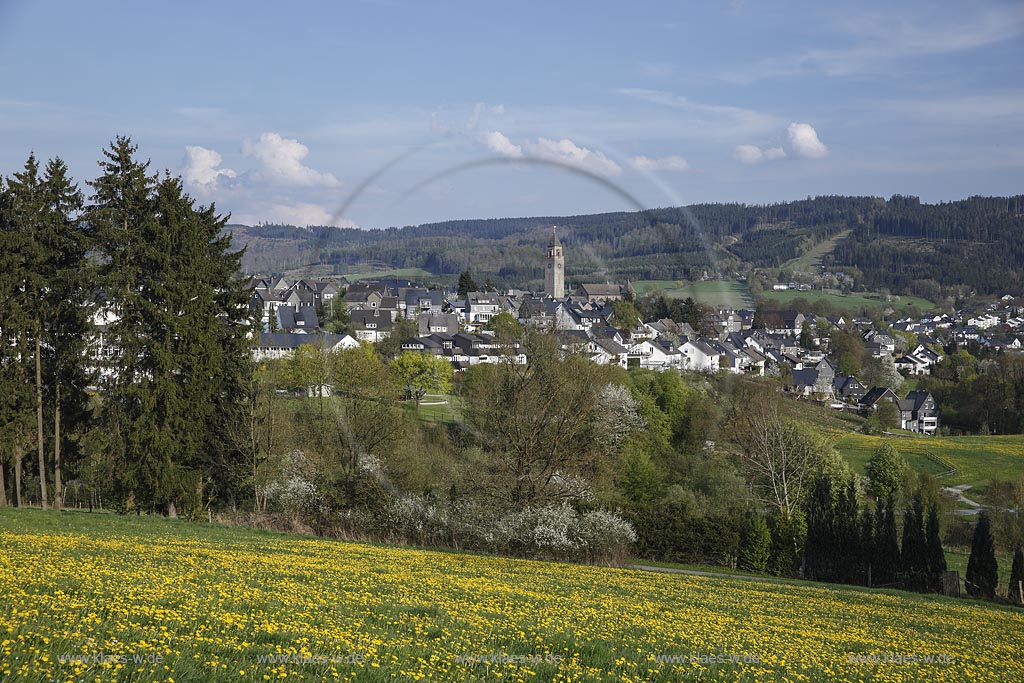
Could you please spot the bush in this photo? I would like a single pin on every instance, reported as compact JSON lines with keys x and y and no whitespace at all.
{"x":755,"y":544}
{"x":559,"y":532}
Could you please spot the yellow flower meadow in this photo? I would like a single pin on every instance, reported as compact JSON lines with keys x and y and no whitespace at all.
{"x":98,"y":598}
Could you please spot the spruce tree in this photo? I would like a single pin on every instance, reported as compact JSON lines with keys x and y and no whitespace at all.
{"x":67,"y":298}
{"x":466,"y":284}
{"x":121,"y":209}
{"x":848,"y":535}
{"x":913,"y":565}
{"x":821,"y":548}
{"x":982,"y":569}
{"x":936,"y":555}
{"x":27,"y":211}
{"x":1017,"y":578}
{"x":887,"y":547}
{"x":866,"y":539}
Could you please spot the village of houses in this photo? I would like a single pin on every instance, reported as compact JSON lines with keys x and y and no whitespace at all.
{"x":452,"y":326}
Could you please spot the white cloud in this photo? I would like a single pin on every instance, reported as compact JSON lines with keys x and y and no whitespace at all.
{"x":805,"y":142}
{"x":300,"y":214}
{"x":752,"y":154}
{"x":498,"y":109}
{"x":282,"y":159}
{"x":669,"y":163}
{"x":567,"y":151}
{"x":500,"y":144}
{"x":199,"y":169}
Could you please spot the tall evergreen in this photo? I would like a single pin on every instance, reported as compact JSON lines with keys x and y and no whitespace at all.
{"x":122,"y":207}
{"x":67,"y":298}
{"x":866,"y":539}
{"x":821,"y":549}
{"x":1017,"y":578}
{"x":848,"y":535}
{"x":27,"y":216}
{"x":175,"y":286}
{"x":982,"y":569}
{"x":466,"y":284}
{"x":17,"y":396}
{"x":936,"y":555}
{"x":887,"y":548}
{"x":913,"y":566}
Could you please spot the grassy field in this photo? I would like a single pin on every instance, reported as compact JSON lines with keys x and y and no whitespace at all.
{"x":407,"y":273}
{"x":977,"y":459}
{"x":711,"y":293}
{"x":811,"y":258}
{"x":106,"y":598}
{"x":437,"y":408}
{"x":851,"y":302}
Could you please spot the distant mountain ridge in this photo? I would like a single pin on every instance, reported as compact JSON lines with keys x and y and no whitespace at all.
{"x":901,"y":243}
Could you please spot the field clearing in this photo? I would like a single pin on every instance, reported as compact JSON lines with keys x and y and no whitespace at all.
{"x":851,"y":302}
{"x":811,"y":258}
{"x":144,"y":599}
{"x":437,"y":408}
{"x":711,"y":293}
{"x":977,"y":459}
{"x":406,"y":273}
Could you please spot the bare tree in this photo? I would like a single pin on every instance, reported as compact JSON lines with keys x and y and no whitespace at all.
{"x":780,"y":456}
{"x":539,"y":422}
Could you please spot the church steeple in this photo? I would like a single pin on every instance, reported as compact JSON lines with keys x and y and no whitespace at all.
{"x":554,"y":272}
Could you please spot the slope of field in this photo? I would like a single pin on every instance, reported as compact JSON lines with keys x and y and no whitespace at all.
{"x":976,"y":459}
{"x":106,"y":598}
{"x":812,"y":257}
{"x":710,"y":293}
{"x":847,"y":302}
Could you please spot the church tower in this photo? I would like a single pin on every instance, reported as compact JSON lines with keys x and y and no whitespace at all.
{"x":554,"y":273}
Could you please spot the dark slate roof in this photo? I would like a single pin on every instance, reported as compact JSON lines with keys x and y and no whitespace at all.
{"x":361,"y":317}
{"x":281,"y":340}
{"x":807,"y":377}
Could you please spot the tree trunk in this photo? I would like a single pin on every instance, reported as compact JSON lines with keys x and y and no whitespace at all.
{"x":39,"y":419}
{"x":58,"y":487}
{"x":19,"y":455}
{"x":3,"y":486}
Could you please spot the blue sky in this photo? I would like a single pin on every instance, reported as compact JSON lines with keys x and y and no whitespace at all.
{"x":291,"y":112}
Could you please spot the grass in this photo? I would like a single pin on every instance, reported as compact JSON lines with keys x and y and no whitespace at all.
{"x":437,"y":408}
{"x":977,"y":459}
{"x":848,"y":302}
{"x":406,"y":273}
{"x":711,"y":292}
{"x":811,"y":258}
{"x":213,"y":604}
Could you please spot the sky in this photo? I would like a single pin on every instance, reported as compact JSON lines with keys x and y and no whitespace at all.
{"x":384,"y":113}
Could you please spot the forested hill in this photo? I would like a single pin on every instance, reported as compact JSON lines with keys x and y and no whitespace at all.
{"x":900,"y":243}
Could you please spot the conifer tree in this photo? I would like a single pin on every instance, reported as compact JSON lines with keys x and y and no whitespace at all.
{"x":982,"y":569}
{"x":27,"y":213}
{"x":936,"y":556}
{"x":820,"y":550}
{"x":913,"y":566}
{"x":887,"y":547}
{"x":67,"y":299}
{"x":866,"y":538}
{"x":1017,"y":578}
{"x":181,"y":335}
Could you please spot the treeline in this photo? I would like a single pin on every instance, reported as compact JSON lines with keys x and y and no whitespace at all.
{"x":980,"y":392}
{"x":910,"y":246}
{"x":899,"y":244}
{"x":138,"y":407}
